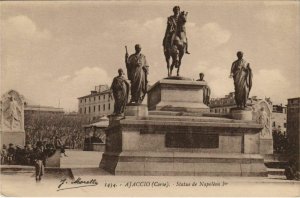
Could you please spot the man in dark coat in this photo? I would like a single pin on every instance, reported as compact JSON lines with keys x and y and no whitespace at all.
{"x":39,"y":158}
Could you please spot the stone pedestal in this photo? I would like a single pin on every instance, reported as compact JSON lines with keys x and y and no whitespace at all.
{"x":174,"y":138}
{"x":177,"y":95}
{"x":16,"y":138}
{"x":136,"y":110}
{"x":54,"y":160}
{"x":241,"y":114}
{"x":175,"y":145}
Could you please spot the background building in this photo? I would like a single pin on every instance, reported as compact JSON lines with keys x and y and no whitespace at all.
{"x":224,"y":106}
{"x":31,"y":109}
{"x":293,"y":127}
{"x":279,"y":117}
{"x":98,"y":103}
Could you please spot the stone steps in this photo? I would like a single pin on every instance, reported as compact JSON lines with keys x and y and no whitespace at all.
{"x":275,"y":171}
{"x":183,"y":163}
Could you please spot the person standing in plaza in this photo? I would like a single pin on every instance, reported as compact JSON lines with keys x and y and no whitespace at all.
{"x":39,"y":159}
{"x":59,"y":145}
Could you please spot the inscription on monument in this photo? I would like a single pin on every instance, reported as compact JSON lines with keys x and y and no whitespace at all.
{"x":192,"y":140}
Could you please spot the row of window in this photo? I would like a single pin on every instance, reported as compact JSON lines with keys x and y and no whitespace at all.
{"x":93,"y":109}
{"x":94,"y":98}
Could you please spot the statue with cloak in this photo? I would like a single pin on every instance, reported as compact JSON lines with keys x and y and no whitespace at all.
{"x":120,"y":89}
{"x":137,"y":71}
{"x":242,"y":77}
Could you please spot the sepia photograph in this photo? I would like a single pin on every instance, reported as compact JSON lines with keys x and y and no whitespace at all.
{"x":150,"y":98}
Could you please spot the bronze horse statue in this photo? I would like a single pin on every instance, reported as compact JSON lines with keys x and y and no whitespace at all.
{"x":175,"y":44}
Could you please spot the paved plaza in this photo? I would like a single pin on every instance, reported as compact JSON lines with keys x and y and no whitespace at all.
{"x":19,"y":181}
{"x":79,"y":159}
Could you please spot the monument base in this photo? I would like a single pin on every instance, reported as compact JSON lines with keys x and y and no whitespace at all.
{"x":16,"y":138}
{"x":183,"y":145}
{"x":241,"y":114}
{"x":266,"y":146}
{"x":136,"y":110}
{"x":183,"y":164}
{"x":177,"y":94}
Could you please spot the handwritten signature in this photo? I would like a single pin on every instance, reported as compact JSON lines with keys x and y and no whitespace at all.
{"x":64,"y":184}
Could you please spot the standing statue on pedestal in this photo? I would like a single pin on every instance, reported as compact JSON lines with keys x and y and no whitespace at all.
{"x":137,"y":71}
{"x":175,"y":41}
{"x":206,"y":90}
{"x":120,"y":89}
{"x":242,"y":76}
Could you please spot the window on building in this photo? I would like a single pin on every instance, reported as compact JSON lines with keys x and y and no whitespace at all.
{"x":94,"y":98}
{"x":99,"y":97}
{"x":80,"y":110}
{"x":108,"y":106}
{"x":84,"y":110}
{"x":80,"y":100}
{"x":94,"y":108}
{"x":104,"y":96}
{"x":274,"y":124}
{"x":89,"y":109}
{"x":98,"y":107}
{"x":90,"y":99}
{"x":104,"y":107}
{"x":85,"y":100}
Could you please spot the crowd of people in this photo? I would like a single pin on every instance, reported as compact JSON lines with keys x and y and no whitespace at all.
{"x":31,"y":156}
{"x":19,"y":155}
{"x":45,"y":126}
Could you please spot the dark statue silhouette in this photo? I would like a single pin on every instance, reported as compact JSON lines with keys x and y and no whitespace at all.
{"x":175,"y":41}
{"x":137,"y":71}
{"x":242,"y":77}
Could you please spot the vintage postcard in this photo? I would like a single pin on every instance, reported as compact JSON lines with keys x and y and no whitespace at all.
{"x":150,"y":98}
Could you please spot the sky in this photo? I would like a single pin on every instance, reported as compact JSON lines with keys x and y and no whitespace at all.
{"x":54,"y":52}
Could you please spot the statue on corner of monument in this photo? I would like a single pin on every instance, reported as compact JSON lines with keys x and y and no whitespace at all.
{"x":120,"y":89}
{"x":263,"y":119}
{"x":242,"y":77}
{"x":137,"y":71}
{"x":206,"y":90}
{"x":175,"y":42}
{"x":13,"y":113}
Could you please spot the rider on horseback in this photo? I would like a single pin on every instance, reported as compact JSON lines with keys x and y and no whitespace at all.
{"x":175,"y":30}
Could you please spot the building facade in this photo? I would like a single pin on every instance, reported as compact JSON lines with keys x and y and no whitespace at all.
{"x":32,"y":109}
{"x":98,"y":103}
{"x":224,"y":106}
{"x":279,"y":118}
{"x":293,"y":127}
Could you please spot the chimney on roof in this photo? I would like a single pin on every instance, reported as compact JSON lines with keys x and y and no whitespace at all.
{"x":93,"y":92}
{"x":101,"y":88}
